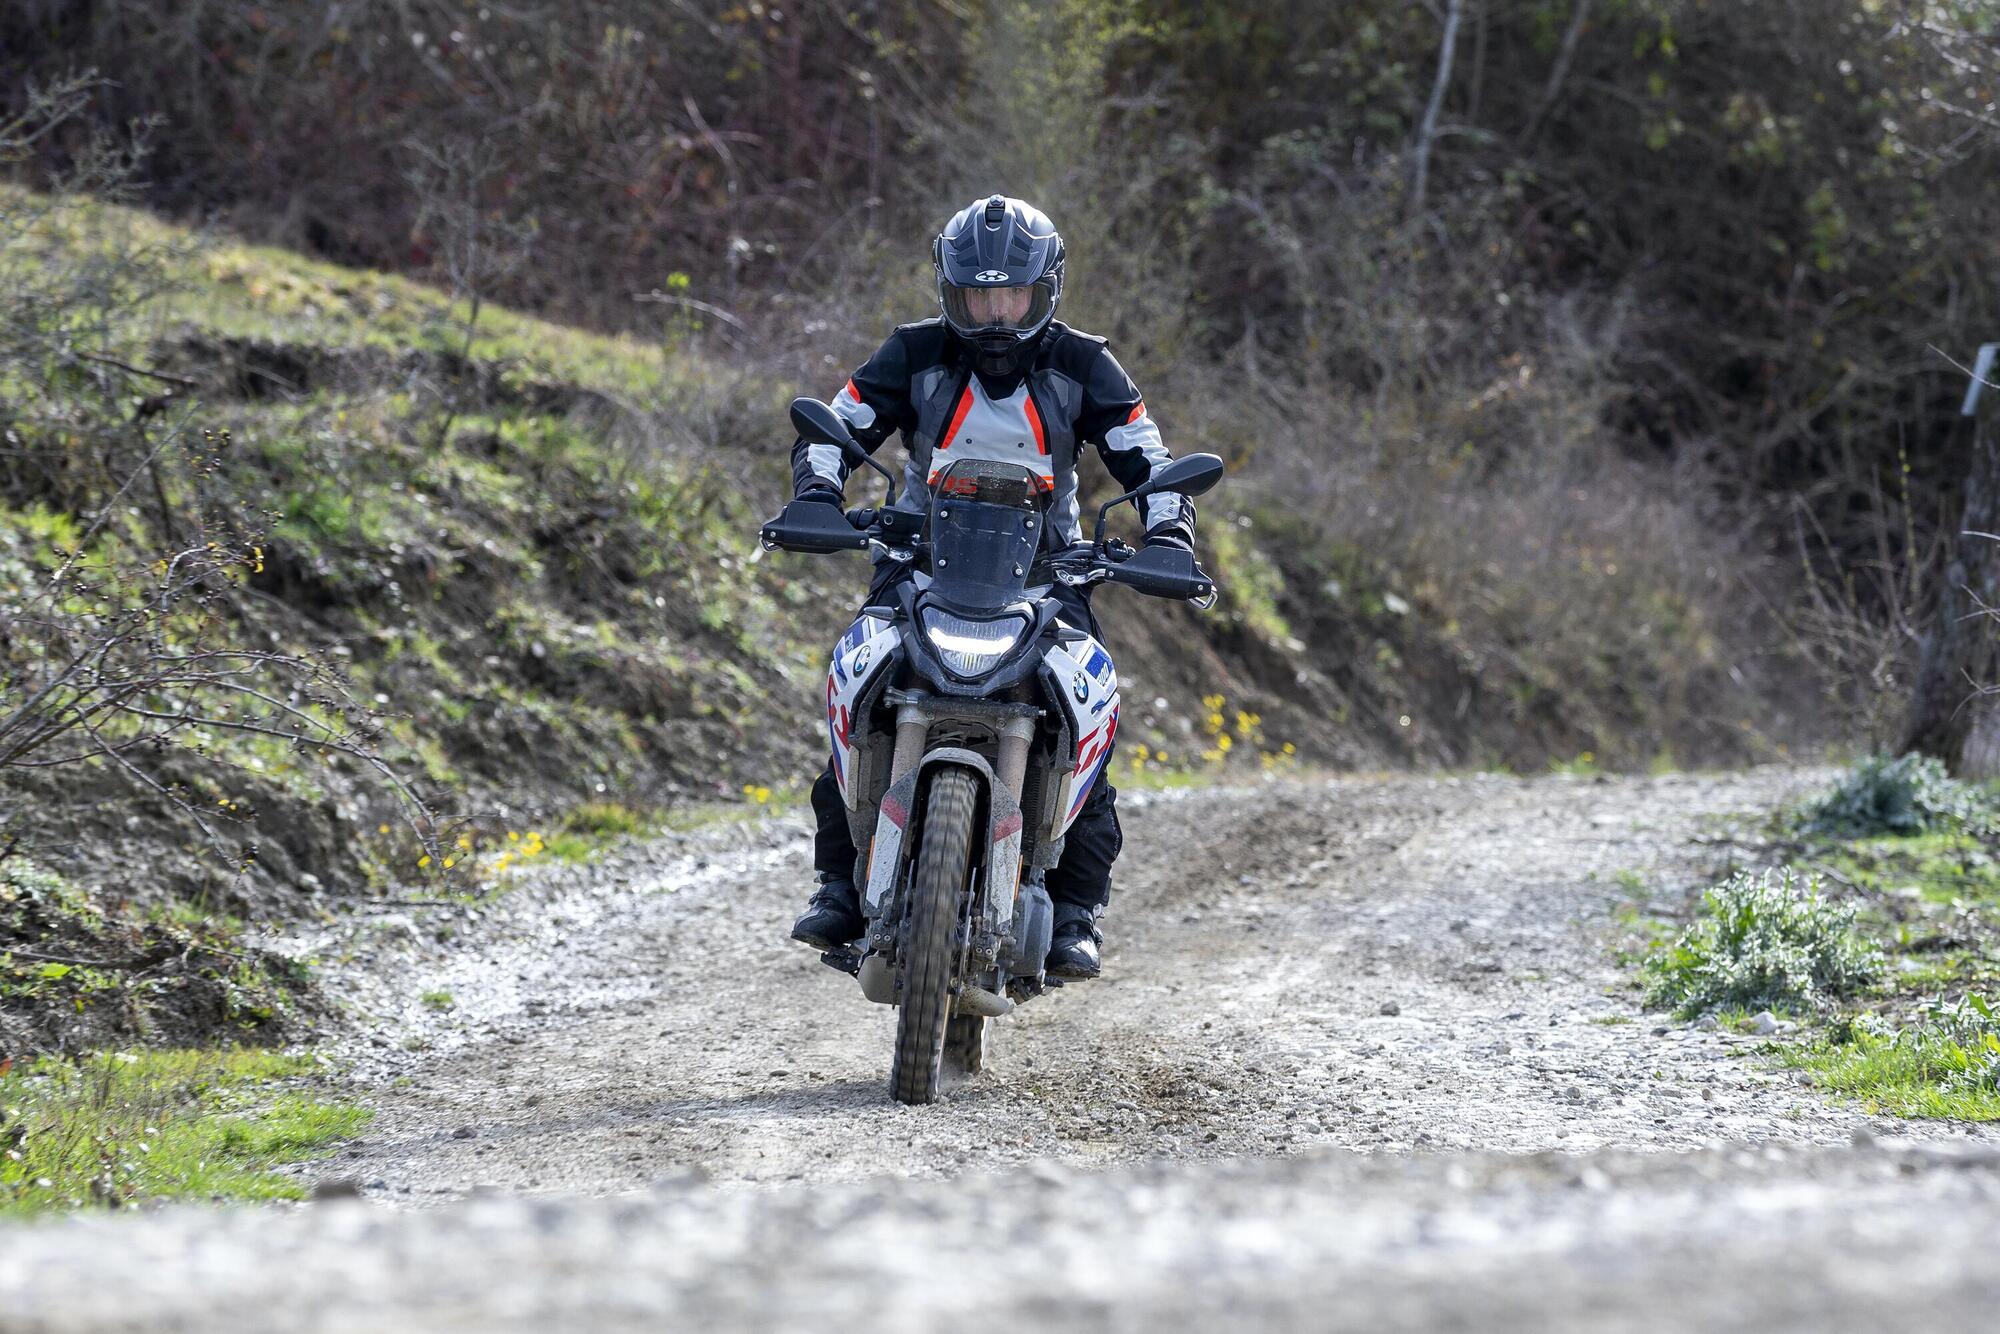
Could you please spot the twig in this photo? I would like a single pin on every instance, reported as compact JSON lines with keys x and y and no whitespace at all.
{"x":1427,"y":127}
{"x":162,"y":376}
{"x":1552,"y":92}
{"x":33,"y":957}
{"x":668,"y":299}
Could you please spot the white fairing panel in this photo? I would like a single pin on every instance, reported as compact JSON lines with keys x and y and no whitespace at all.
{"x":1088,"y":686}
{"x":858,"y":659}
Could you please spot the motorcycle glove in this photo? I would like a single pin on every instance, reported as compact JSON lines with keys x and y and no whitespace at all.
{"x":1171,"y":536}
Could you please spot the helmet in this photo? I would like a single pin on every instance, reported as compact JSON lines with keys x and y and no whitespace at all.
{"x":999,"y":274}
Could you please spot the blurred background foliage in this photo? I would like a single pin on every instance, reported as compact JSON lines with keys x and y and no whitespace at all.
{"x":1585,"y":367}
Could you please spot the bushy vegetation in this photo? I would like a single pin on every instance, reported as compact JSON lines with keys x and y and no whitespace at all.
{"x":1764,"y":940}
{"x":1894,"y":980}
{"x":1911,"y":794}
{"x":118,"y":1129}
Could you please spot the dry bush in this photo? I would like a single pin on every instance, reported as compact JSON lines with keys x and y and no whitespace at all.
{"x":129,"y":639}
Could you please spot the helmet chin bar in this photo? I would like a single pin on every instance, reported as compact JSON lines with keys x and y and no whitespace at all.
{"x":1003,"y":354}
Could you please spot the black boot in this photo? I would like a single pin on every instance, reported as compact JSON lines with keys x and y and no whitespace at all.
{"x":1073,"y":947}
{"x":832,"y":917}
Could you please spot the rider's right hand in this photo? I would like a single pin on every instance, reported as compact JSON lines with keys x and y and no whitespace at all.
{"x":821,"y":495}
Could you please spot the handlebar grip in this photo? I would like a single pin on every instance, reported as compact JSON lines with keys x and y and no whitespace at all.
{"x":863,"y":517}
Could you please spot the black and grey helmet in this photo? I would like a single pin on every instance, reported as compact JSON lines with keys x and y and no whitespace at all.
{"x":999,"y":274}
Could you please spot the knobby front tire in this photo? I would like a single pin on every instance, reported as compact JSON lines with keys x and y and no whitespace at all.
{"x":931,"y":949}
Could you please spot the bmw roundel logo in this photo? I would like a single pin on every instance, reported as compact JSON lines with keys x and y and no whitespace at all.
{"x":990,"y":276}
{"x":859,"y":662}
{"x":1080,"y":687}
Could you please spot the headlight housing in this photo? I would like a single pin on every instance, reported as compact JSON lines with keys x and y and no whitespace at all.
{"x":971,"y":648}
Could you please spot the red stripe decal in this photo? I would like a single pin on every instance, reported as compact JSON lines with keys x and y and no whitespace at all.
{"x":1008,"y":827}
{"x":895,"y":810}
{"x":852,"y":392}
{"x":1138,"y":411}
{"x":1035,"y":425}
{"x":957,"y":419}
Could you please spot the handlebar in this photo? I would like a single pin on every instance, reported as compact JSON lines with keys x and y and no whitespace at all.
{"x":816,"y":528}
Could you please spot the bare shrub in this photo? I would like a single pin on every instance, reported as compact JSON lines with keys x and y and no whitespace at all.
{"x":128,"y":630}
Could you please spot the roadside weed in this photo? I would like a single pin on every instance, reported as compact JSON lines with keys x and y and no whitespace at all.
{"x":1770,"y":940}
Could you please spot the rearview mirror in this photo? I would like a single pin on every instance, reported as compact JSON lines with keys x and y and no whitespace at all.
{"x":1189,"y":475}
{"x":815,"y":421}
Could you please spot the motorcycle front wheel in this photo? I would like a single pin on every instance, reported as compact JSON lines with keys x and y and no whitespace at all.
{"x":930,"y":950}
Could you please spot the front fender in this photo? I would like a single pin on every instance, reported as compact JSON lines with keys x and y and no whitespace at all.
{"x":888,"y":855}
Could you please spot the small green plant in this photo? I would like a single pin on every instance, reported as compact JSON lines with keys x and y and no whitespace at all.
{"x":1769,"y":940}
{"x":606,"y":820}
{"x":438,"y":1000}
{"x":1911,"y":794}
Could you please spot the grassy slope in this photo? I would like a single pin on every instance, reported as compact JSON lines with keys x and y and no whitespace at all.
{"x":533,"y":544}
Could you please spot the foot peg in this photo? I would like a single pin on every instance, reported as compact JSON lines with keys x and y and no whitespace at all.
{"x":847,"y":959}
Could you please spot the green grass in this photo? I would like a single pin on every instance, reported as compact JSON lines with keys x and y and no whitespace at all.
{"x":117,"y":1129}
{"x":1899,"y":1078}
{"x":607,"y":820}
{"x":438,"y":1000}
{"x":1952,"y":866}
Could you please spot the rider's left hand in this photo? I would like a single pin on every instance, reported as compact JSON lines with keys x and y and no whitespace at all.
{"x":1167,"y":535}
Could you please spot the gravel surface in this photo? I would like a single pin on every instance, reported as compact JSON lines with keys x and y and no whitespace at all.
{"x":1360,"y":1057}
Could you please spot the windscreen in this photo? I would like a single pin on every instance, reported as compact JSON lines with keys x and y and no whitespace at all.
{"x":986,"y":523}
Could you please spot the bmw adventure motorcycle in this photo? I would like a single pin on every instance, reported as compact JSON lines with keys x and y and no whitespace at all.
{"x":968,"y":725}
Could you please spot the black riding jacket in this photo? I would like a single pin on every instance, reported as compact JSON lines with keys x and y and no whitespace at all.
{"x":921,"y":383}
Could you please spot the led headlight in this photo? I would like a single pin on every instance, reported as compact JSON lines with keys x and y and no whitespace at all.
{"x":969,"y":648}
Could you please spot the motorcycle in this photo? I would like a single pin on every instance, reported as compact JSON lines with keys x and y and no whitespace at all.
{"x":968,"y":725}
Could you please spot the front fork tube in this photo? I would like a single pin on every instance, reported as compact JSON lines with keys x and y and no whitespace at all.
{"x":912,"y":728}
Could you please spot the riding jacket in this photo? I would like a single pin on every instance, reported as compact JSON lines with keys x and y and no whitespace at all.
{"x":921,"y":383}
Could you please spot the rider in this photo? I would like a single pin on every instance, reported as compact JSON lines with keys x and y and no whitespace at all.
{"x":998,"y":377}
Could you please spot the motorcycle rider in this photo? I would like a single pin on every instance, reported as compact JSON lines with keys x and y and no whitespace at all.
{"x":995,"y":376}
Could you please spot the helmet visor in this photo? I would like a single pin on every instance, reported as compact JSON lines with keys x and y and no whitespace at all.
{"x":1008,"y":309}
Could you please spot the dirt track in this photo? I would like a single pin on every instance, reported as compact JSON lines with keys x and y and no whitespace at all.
{"x":643,"y":1026}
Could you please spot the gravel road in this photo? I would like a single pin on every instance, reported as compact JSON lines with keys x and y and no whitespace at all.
{"x":1361,"y":1058}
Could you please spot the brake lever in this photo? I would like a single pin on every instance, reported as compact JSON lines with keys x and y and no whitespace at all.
{"x":901,"y":555}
